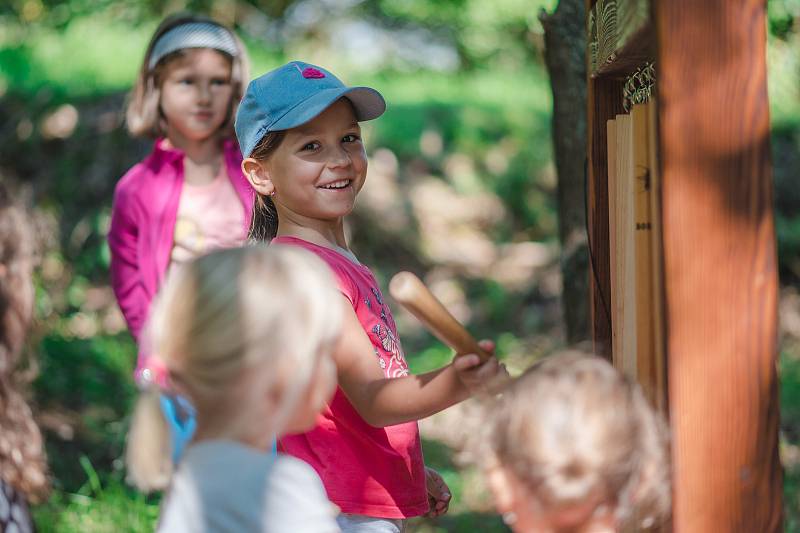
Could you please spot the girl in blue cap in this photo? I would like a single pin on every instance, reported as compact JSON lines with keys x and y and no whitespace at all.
{"x":298,"y":128}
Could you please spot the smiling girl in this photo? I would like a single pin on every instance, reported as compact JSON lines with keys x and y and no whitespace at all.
{"x":298,"y":127}
{"x":188,"y":196}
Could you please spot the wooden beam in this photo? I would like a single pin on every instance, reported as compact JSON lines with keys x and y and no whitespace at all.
{"x":659,"y":375}
{"x":615,"y":265}
{"x":720,"y":278}
{"x":644,"y":351}
{"x":604,"y":100}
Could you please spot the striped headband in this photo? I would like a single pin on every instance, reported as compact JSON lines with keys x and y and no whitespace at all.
{"x":193,"y":35}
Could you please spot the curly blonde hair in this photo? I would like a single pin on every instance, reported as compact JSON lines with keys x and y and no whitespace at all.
{"x":572,"y":426}
{"x":22,"y":458}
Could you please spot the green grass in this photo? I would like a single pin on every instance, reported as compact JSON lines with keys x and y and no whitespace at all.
{"x":790,"y":424}
{"x":97,"y":507}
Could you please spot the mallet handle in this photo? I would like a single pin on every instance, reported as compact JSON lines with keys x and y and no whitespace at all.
{"x":412,"y":294}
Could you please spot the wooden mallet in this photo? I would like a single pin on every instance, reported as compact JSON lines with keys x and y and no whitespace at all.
{"x":412,"y":294}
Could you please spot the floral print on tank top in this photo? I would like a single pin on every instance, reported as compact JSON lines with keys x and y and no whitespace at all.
{"x":388,"y":349}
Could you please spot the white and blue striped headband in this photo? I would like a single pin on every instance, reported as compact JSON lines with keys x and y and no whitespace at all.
{"x":193,"y":35}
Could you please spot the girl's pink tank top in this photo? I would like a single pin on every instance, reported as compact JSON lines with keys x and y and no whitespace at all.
{"x":366,"y":470}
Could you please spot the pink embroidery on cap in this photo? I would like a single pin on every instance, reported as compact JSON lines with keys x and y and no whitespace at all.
{"x":309,"y":72}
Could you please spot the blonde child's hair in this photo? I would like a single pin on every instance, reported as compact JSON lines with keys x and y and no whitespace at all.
{"x":215,"y":321}
{"x":143,"y":114}
{"x":571,"y":426}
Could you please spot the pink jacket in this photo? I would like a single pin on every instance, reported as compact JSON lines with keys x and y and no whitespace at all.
{"x":143,"y":226}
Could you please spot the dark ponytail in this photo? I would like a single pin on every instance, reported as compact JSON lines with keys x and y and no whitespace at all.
{"x":264,"y":222}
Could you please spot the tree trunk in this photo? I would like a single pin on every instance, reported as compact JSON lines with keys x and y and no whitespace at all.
{"x":565,"y":57}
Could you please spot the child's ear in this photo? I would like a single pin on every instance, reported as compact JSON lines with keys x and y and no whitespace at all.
{"x":258,"y":176}
{"x":501,"y":487}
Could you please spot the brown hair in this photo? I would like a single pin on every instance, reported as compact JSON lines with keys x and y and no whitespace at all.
{"x":22,"y":458}
{"x":264,"y":222}
{"x":143,"y":114}
{"x":572,"y":425}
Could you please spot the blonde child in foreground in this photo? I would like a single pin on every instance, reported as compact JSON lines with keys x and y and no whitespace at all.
{"x":573,"y":447}
{"x":253,"y":354}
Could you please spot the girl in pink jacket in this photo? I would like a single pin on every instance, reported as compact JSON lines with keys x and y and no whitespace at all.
{"x":188,"y":196}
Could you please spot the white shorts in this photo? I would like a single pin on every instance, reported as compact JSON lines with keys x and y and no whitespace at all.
{"x":356,"y":523}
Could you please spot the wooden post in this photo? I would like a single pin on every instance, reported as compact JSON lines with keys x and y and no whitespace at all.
{"x":720,"y":278}
{"x":604,"y":98}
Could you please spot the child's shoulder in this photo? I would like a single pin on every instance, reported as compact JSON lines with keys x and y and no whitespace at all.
{"x":134,"y":174}
{"x":349,"y":275}
{"x":296,"y":497}
{"x":221,"y":458}
{"x":288,"y":468}
{"x":154,"y":165}
{"x":275,"y":492}
{"x":336,"y":259}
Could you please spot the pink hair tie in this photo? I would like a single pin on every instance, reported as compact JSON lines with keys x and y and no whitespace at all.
{"x":153,"y":372}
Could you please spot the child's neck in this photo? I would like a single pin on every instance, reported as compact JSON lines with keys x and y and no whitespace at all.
{"x":202,"y":158}
{"x":321,"y":233}
{"x":256,"y":436}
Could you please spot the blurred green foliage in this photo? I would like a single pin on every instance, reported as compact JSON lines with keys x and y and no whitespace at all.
{"x":782,"y":17}
{"x":790,"y":424}
{"x":476,"y":83}
{"x":505,"y":32}
{"x":784,"y":91}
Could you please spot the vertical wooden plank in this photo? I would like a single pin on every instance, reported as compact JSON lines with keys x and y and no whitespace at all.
{"x":604,"y":97}
{"x":719,"y":265}
{"x":657,"y":257}
{"x":625,"y":310}
{"x":642,"y":224}
{"x":613,"y":247}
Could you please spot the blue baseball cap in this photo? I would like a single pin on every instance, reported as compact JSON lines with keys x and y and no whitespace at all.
{"x":292,"y":95}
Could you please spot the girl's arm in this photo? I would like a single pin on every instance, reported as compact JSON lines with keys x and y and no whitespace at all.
{"x":384,"y":402}
{"x":126,"y":281}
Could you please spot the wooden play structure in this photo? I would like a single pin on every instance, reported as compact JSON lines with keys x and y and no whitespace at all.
{"x":684,"y":269}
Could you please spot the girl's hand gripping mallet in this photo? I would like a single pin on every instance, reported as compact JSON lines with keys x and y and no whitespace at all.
{"x":412,"y":294}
